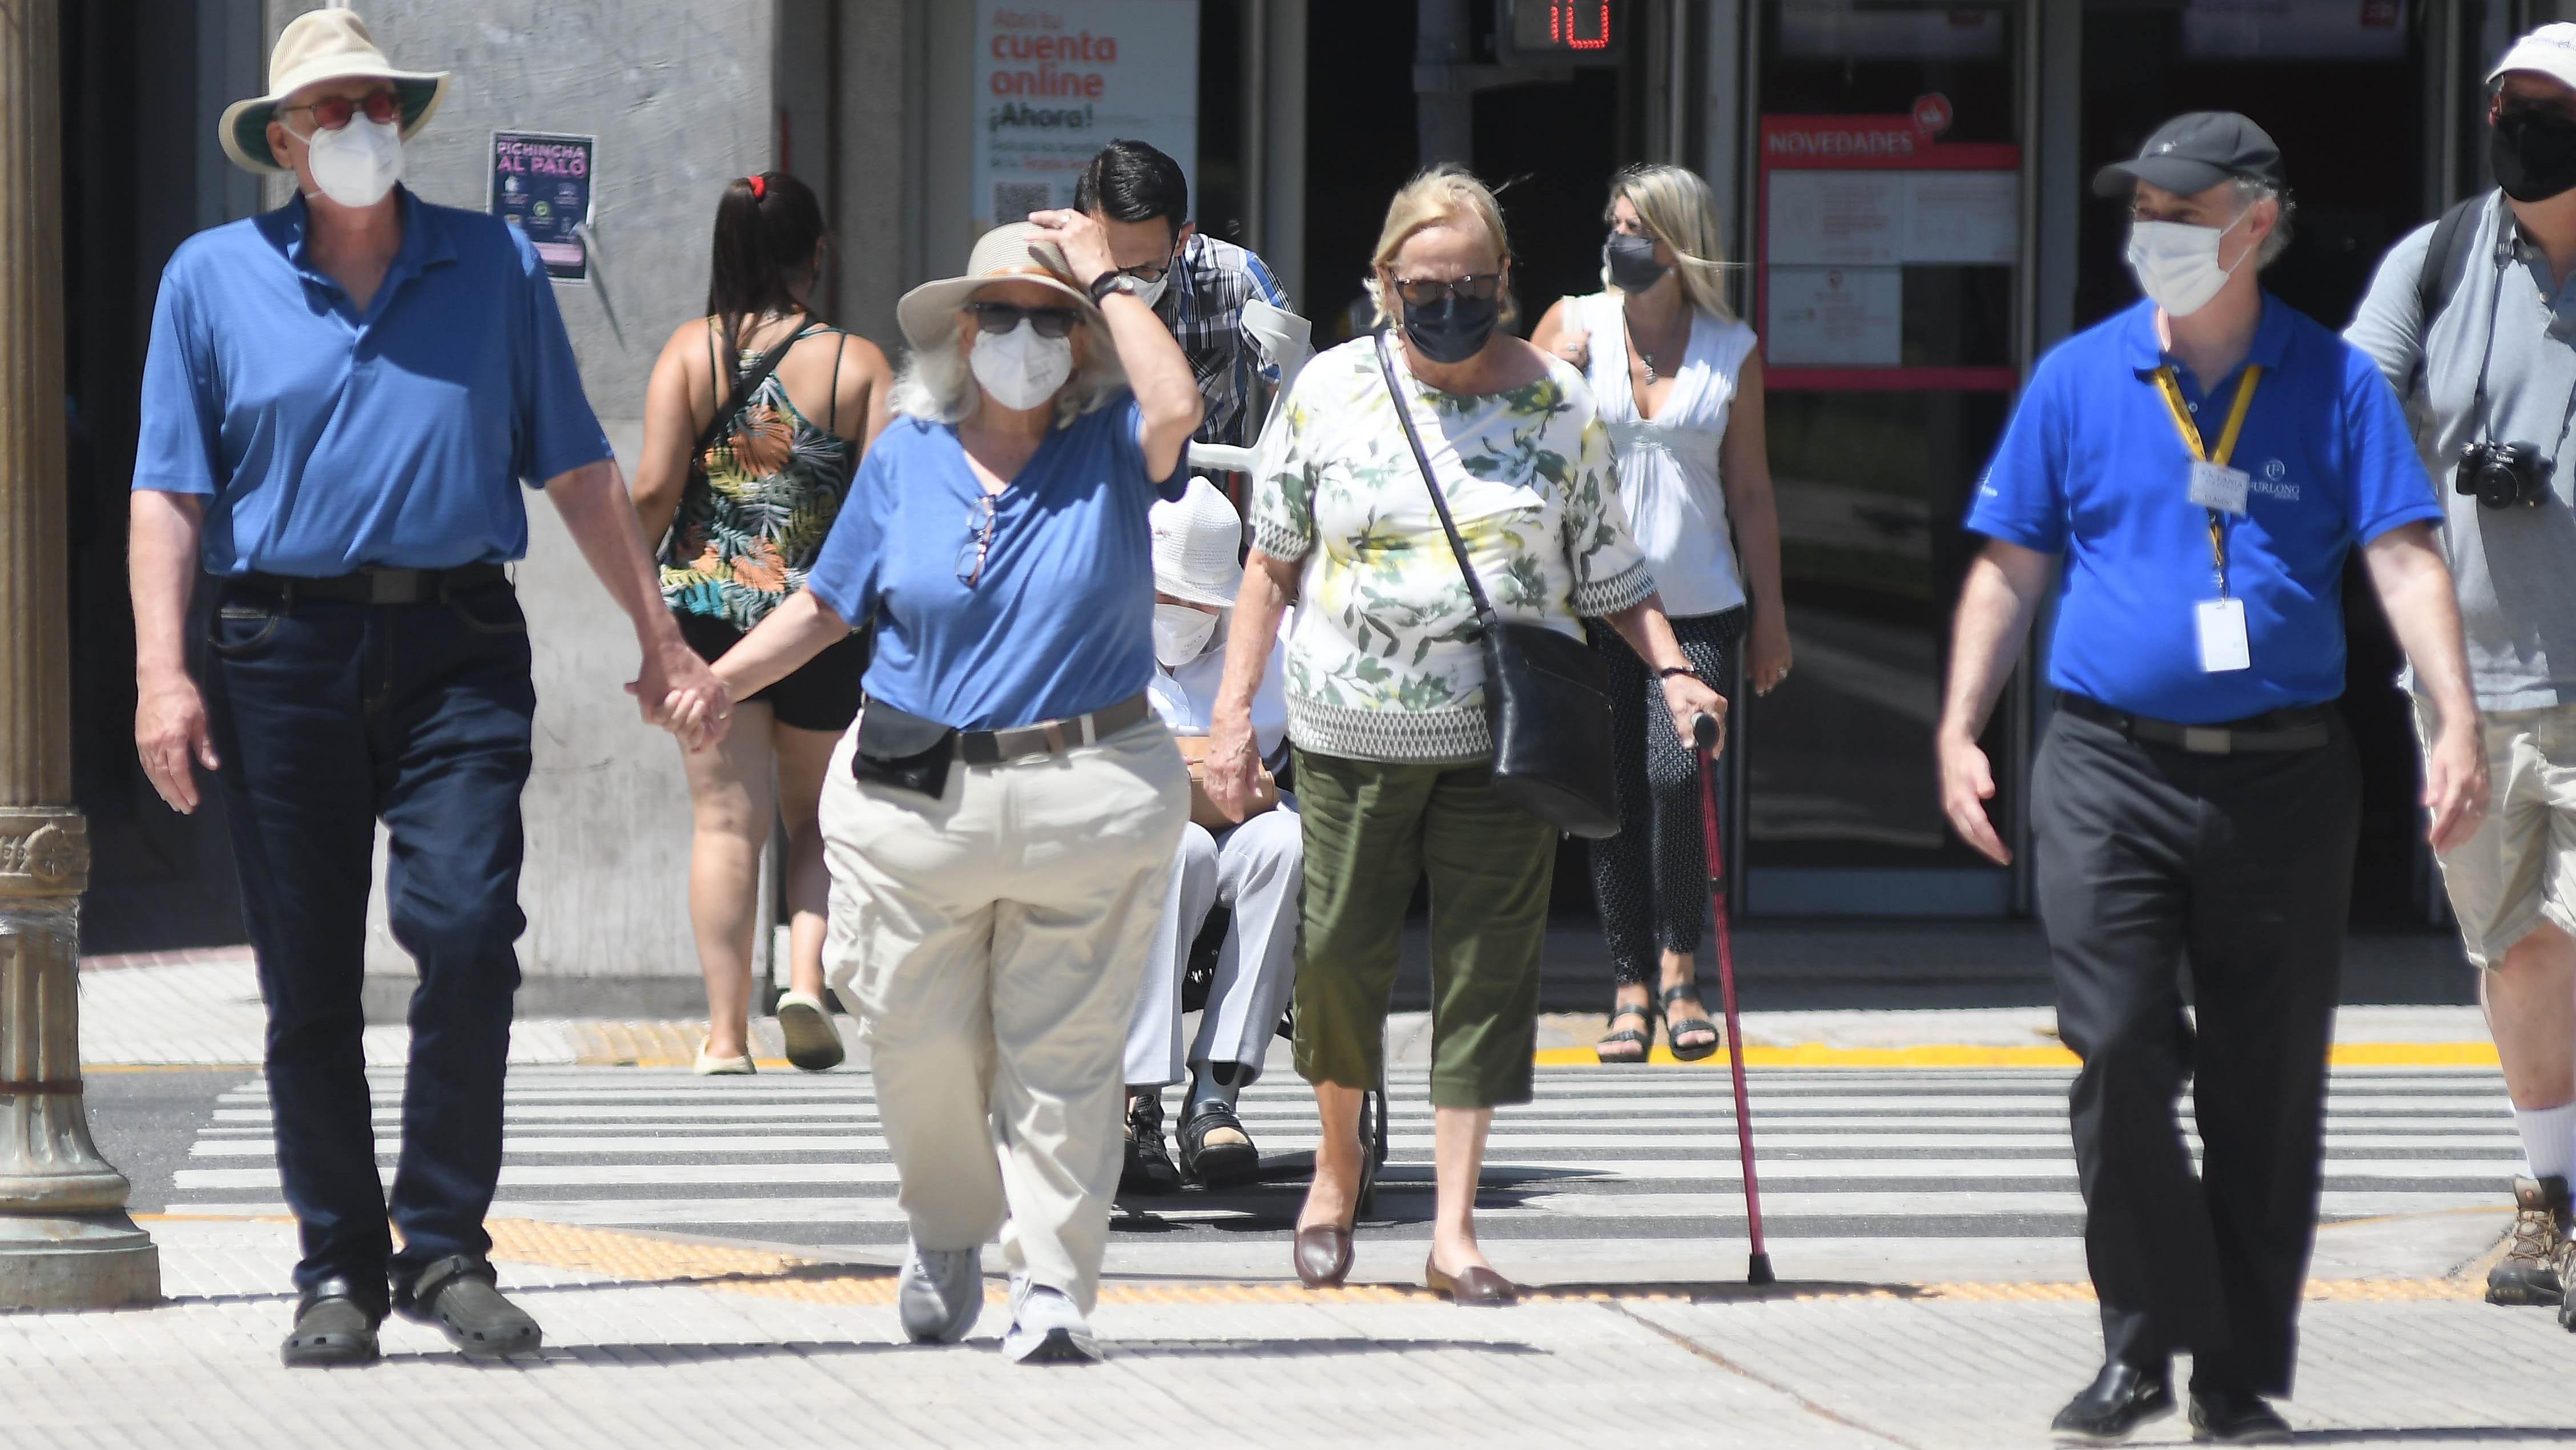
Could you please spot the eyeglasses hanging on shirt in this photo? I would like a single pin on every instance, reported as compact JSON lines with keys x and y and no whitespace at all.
{"x":2221,"y":491}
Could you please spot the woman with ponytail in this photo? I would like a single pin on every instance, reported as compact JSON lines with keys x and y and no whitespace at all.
{"x":754,"y":420}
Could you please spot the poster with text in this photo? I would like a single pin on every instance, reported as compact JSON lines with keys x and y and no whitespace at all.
{"x":1055,"y":83}
{"x":541,"y":185}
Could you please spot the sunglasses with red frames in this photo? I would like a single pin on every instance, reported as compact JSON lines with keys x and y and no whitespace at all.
{"x":333,"y":112}
{"x":1000,"y":317}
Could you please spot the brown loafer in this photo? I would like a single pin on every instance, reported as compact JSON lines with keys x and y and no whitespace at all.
{"x":1323,"y":1255}
{"x":1478,"y":1288}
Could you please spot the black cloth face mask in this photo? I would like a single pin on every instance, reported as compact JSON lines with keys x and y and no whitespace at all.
{"x":2533,"y":152}
{"x":1632,"y":263}
{"x":1453,"y":329}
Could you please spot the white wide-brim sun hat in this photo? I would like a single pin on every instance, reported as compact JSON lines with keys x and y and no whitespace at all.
{"x":1198,"y":546}
{"x":1011,"y":253}
{"x":317,"y":46}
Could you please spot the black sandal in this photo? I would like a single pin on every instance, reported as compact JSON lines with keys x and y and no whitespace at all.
{"x":1674,"y":1027}
{"x":1644,"y":1037}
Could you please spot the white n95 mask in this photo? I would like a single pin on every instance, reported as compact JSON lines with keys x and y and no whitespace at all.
{"x":357,"y":164}
{"x":1019,"y":368}
{"x":2176,"y":263}
{"x":1181,"y":633}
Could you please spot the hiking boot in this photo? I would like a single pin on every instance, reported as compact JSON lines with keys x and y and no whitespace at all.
{"x":2532,"y":1271}
{"x":1150,"y":1172}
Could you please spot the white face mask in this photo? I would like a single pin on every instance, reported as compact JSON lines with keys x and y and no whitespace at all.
{"x":357,"y":164}
{"x":1181,"y":633}
{"x":1150,"y":293}
{"x":2177,"y":263}
{"x":1019,"y":368}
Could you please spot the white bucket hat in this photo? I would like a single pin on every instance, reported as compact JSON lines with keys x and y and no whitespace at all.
{"x":1198,"y":546}
{"x":322,"y":45}
{"x":1012,"y":253}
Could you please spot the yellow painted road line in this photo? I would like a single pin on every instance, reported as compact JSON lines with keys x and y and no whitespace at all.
{"x":1817,"y":1054}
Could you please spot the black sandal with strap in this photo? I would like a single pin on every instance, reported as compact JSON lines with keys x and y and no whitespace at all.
{"x":1674,"y":1027}
{"x":1644,"y":1037}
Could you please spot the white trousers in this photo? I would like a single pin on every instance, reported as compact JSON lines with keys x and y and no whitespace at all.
{"x":1256,"y":870}
{"x":997,"y":936}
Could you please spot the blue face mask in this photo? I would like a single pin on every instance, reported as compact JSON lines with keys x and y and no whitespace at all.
{"x":1453,"y":329}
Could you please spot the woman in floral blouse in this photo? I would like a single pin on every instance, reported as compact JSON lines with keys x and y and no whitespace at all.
{"x":1386,"y":689}
{"x":744,"y":519}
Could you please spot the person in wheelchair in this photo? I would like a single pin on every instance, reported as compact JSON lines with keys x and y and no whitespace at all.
{"x":1253,"y":870}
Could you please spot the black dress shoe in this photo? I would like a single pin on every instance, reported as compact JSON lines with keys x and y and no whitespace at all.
{"x":2120,"y":1399}
{"x":459,"y":1295}
{"x":334,"y":1324}
{"x":1148,"y":1172}
{"x":2236,"y":1417}
{"x":1215,"y":1150}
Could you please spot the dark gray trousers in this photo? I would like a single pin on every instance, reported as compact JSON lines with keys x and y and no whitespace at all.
{"x":2241,"y":865}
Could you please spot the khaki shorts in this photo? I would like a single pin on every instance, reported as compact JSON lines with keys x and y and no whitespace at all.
{"x":2519,"y":870}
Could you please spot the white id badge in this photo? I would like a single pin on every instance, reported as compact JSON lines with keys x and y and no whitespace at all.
{"x":2222,"y":635}
{"x":2217,"y":486}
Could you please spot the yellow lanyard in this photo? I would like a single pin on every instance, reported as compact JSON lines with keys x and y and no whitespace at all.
{"x":2227,"y":436}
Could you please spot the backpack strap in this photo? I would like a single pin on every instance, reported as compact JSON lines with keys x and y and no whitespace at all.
{"x":2446,"y":261}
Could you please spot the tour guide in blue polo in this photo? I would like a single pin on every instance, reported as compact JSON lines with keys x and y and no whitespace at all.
{"x":2203,"y":463}
{"x":341,"y":400}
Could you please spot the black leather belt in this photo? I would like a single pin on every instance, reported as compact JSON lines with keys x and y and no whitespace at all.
{"x":378,"y":586}
{"x":2303,"y":728}
{"x":1050,"y":737}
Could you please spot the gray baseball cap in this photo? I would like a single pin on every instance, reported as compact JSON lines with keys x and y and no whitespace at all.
{"x":2194,"y":152}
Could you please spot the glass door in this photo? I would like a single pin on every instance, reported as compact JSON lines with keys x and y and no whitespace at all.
{"x":1888,"y":240}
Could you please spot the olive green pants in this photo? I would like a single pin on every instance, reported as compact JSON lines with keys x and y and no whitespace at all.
{"x":1372,"y":831}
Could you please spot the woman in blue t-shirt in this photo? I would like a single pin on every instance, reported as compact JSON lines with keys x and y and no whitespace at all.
{"x":1001,"y":819}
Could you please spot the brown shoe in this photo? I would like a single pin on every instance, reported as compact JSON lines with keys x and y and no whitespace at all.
{"x":2530,"y":1272}
{"x":1322,"y":1255}
{"x":1477,"y":1288}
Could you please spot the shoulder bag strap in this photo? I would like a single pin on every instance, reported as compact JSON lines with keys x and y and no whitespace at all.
{"x":743,"y":388}
{"x":1457,"y":546}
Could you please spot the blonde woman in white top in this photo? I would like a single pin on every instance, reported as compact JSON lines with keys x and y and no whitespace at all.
{"x":1679,"y":384}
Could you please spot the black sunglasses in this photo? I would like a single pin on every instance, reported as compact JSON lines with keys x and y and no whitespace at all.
{"x":999,"y":317}
{"x":1426,"y":292}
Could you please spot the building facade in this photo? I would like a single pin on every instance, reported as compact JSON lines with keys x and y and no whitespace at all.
{"x":1905,"y":186}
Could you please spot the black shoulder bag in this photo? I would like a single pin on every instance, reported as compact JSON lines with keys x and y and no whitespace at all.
{"x":1547,"y":696}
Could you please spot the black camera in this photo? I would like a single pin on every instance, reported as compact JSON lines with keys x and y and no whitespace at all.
{"x":2502,"y":475}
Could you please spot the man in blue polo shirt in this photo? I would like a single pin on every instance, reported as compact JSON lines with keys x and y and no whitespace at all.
{"x":341,"y":400}
{"x":2203,"y":463}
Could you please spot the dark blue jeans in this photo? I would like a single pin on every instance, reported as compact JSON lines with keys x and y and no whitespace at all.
{"x":327,"y":716}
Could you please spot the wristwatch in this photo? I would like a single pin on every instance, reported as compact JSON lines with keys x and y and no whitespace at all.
{"x":1668,"y":671}
{"x":1108,"y":282}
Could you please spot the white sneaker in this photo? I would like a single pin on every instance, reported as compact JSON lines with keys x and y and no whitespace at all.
{"x":940,"y":1293}
{"x":1047,"y":1329}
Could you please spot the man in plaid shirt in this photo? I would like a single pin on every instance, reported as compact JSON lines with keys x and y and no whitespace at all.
{"x":1195,"y":283}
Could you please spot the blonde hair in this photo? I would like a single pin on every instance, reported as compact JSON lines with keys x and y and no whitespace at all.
{"x":1443,"y":195}
{"x":1680,"y":212}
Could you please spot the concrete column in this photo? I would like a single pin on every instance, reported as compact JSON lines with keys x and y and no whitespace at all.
{"x":65,"y":1239}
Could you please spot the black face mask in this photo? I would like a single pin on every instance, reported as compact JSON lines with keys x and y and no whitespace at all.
{"x":1632,"y":263}
{"x":2533,"y":152}
{"x":1453,"y":329}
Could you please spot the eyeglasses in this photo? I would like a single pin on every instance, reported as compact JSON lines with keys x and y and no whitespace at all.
{"x":980,"y":519}
{"x":999,"y":317}
{"x":333,"y":112}
{"x":1426,"y":292}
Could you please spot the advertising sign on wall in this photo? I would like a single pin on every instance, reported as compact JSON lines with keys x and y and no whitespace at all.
{"x":541,"y":185}
{"x":1056,"y":82}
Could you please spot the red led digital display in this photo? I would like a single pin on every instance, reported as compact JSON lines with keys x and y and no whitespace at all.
{"x":1576,"y":27}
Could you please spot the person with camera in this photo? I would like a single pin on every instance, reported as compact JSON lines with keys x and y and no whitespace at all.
{"x":2474,"y":319}
{"x":2204,"y":464}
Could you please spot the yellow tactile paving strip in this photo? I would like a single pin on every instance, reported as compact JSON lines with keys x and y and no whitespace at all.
{"x":1817,"y":1054}
{"x":647,"y":1258}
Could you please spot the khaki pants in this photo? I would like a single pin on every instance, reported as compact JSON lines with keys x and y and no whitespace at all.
{"x":998,"y":935}
{"x":2519,"y":869}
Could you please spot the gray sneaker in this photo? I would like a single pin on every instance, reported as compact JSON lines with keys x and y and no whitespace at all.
{"x":1046,"y":1328}
{"x":2530,"y":1270}
{"x":940,"y":1293}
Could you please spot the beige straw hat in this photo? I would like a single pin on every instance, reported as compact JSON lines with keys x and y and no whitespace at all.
{"x":322,"y":45}
{"x":1012,"y":253}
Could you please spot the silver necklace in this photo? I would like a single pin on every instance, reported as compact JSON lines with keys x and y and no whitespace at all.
{"x":1646,"y":357}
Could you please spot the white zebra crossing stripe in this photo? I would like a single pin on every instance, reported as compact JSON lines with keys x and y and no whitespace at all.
{"x":1890,"y":1153}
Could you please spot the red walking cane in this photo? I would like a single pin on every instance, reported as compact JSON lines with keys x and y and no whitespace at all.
{"x":1704,"y":731}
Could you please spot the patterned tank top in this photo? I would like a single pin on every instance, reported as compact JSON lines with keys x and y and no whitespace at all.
{"x":757,"y":504}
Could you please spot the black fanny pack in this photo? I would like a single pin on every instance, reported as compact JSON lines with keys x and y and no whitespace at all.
{"x":903,"y":750}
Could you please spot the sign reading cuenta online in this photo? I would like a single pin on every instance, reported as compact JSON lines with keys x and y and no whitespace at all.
{"x":1055,"y":82}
